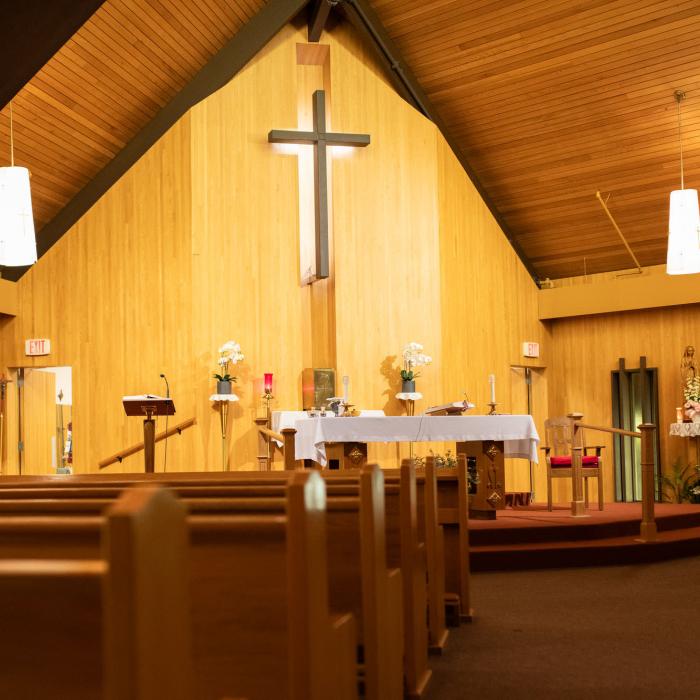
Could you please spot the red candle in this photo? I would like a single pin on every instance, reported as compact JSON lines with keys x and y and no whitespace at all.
{"x":268,"y":382}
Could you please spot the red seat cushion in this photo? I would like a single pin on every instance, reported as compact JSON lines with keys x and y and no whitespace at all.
{"x":565,"y":461}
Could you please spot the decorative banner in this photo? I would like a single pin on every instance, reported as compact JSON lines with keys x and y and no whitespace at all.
{"x":37,"y":346}
{"x":531,"y":349}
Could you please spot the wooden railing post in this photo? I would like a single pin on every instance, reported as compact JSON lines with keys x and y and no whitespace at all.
{"x":264,"y":461}
{"x":577,"y":502}
{"x":290,"y":461}
{"x":647,"y":529}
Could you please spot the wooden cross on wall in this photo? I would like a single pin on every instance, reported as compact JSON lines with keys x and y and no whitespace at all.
{"x":319,"y":138}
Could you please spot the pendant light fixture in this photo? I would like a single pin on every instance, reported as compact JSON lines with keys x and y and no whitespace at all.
{"x":17,"y":238}
{"x":683,"y":256}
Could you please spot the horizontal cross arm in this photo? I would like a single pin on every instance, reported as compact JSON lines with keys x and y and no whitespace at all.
{"x":290,"y":136}
{"x":335,"y":139}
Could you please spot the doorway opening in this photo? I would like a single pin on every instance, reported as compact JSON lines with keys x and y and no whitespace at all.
{"x":43,"y":428}
{"x":635,"y":400}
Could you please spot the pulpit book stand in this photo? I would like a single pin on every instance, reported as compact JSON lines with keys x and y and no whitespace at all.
{"x":149,"y":406}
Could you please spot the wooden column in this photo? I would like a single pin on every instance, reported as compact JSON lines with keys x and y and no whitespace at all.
{"x":577,"y":502}
{"x":647,"y":529}
{"x":466,"y":613}
{"x":290,"y":461}
{"x":149,"y":444}
{"x":264,"y":447}
{"x":490,"y":468}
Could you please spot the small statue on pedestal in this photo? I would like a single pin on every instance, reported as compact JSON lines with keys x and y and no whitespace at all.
{"x":691,"y":383}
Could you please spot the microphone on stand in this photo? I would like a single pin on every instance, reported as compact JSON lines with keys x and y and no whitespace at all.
{"x":167,"y":386}
{"x":165,"y":447}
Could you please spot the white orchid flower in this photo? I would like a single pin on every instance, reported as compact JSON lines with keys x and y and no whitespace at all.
{"x":230,"y":346}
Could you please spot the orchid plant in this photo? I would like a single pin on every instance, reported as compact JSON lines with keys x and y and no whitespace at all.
{"x":413,"y":357}
{"x":691,"y":394}
{"x":229,"y":353}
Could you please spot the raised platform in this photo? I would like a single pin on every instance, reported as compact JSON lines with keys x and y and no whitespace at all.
{"x":533,"y":538}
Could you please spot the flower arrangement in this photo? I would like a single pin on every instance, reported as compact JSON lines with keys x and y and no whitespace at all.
{"x":413,"y":357}
{"x":447,"y":461}
{"x":691,"y":393}
{"x":229,"y":352}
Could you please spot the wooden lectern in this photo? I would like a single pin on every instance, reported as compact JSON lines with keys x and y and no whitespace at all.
{"x":148,"y":406}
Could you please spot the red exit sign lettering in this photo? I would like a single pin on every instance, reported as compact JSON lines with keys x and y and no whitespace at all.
{"x":531,"y":349}
{"x":37,"y":346}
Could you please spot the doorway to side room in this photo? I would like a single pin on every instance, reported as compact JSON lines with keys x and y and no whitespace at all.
{"x":39,"y":421}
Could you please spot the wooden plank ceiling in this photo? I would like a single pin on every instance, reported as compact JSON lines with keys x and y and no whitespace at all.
{"x":550,"y":101}
{"x":105,"y":84}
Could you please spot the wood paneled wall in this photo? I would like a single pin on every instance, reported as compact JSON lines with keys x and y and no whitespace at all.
{"x":488,"y":303}
{"x":199,"y":243}
{"x":585,"y":350}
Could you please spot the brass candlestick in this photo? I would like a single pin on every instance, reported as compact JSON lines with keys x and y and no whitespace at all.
{"x":267,"y":398}
{"x":492,"y":412}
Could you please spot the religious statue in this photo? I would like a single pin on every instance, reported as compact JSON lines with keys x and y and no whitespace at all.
{"x":689,"y":369}
{"x":691,"y":384}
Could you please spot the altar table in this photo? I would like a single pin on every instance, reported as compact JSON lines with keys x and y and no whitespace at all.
{"x":484,"y":440}
{"x":335,"y":453}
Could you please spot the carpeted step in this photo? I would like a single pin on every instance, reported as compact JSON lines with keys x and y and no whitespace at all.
{"x":607,"y":551}
{"x":537,"y":526}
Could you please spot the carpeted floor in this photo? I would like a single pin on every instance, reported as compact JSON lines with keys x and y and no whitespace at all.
{"x":629,"y":632}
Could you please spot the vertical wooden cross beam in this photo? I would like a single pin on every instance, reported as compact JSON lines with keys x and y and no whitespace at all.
{"x":319,"y":138}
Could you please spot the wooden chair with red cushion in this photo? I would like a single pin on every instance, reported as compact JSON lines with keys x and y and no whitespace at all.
{"x":558,"y":455}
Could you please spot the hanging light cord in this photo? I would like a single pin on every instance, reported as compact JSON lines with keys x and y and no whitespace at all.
{"x":679,"y":96}
{"x":12,"y":139}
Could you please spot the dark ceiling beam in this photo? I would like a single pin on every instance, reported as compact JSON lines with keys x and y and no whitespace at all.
{"x":368,"y":25}
{"x":320,"y":12}
{"x":31,"y":32}
{"x":244,"y":46}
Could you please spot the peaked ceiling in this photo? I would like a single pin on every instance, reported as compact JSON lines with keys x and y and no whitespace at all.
{"x":548,"y":102}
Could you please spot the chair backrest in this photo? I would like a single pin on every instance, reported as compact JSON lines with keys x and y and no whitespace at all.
{"x":558,"y":434}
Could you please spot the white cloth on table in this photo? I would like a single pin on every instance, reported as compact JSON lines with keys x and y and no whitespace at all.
{"x":518,"y":433}
{"x":685,"y":429}
{"x":289,"y":419}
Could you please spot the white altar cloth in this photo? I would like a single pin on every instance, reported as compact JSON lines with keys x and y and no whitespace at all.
{"x":518,"y":433}
{"x":289,"y":419}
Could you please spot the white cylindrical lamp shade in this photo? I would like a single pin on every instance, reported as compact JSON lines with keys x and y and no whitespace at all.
{"x":683,"y":256}
{"x":17,"y":238}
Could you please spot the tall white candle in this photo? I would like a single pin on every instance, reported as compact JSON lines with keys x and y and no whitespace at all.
{"x":492,"y":382}
{"x":346,"y":384}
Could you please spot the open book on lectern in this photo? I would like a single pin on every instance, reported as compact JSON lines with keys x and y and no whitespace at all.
{"x":148,"y":403}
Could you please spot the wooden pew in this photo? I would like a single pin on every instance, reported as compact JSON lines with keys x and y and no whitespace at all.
{"x":405,"y":549}
{"x":430,"y":534}
{"x":359,"y":578}
{"x":259,"y":594}
{"x":114,"y":625}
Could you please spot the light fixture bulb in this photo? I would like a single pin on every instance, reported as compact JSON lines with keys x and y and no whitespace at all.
{"x":683,"y":256}
{"x":17,"y":238}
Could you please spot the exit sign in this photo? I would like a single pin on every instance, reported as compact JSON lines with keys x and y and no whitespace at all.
{"x":531,"y":349}
{"x":37,"y":346}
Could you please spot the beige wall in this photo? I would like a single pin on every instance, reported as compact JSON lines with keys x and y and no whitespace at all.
{"x":198,"y":243}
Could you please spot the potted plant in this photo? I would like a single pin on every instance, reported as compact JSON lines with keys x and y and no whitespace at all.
{"x":229,"y":353}
{"x":412,"y":357}
{"x":692,"y":399}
